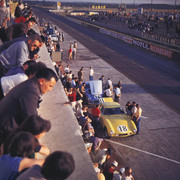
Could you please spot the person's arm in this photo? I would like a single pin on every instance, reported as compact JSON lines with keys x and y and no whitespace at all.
{"x":22,"y":54}
{"x":9,"y":82}
{"x":44,"y":150}
{"x":26,"y":163}
{"x":29,"y":102}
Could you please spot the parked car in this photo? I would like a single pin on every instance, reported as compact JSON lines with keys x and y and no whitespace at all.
{"x":115,"y":122}
{"x":94,"y":91}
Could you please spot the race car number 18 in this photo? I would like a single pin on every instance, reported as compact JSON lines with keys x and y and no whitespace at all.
{"x":122,"y":128}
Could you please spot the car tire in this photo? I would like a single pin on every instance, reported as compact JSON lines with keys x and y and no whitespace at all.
{"x":106,"y":133}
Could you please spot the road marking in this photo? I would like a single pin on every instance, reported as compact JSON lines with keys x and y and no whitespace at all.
{"x":136,"y":149}
{"x":109,"y":49}
{"x":144,"y":117}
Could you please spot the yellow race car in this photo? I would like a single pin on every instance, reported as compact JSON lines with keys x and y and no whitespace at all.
{"x":115,"y":122}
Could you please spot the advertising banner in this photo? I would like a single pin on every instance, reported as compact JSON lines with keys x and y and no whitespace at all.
{"x":140,"y":44}
{"x":159,"y":38}
{"x":161,"y":51}
{"x":127,"y":39}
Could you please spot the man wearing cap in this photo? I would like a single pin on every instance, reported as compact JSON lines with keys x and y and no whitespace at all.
{"x":109,"y":172}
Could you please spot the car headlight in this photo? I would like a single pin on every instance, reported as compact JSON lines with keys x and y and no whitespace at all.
{"x":135,"y":130}
{"x":112,"y":132}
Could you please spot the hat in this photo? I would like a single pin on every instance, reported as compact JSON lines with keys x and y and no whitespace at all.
{"x":115,"y":163}
{"x":88,"y":145}
{"x":122,"y":170}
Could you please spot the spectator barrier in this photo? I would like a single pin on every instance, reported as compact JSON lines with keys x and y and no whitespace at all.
{"x":65,"y":133}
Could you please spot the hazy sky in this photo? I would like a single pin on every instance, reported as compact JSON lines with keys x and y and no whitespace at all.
{"x":126,"y":1}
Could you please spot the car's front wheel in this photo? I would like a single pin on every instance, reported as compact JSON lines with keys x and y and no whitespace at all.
{"x":106,"y":133}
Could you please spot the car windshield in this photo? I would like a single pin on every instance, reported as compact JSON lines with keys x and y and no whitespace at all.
{"x":113,"y":111}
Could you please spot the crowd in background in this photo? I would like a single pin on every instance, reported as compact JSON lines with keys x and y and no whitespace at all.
{"x":149,"y":22}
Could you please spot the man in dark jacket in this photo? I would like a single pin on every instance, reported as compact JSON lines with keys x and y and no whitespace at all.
{"x":17,"y":30}
{"x":23,"y":100}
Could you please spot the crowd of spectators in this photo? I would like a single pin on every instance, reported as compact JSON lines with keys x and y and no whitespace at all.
{"x":23,"y":81}
{"x":88,"y":118}
{"x":152,"y":22}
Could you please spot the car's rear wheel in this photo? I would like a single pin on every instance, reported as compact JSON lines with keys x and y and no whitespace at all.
{"x":106,"y":133}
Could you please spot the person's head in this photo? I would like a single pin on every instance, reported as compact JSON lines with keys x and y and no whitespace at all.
{"x":85,"y":114}
{"x":134,"y":103}
{"x":58,"y":166}
{"x":34,"y":68}
{"x":34,"y":42}
{"x":128,"y":171}
{"x":88,"y":146}
{"x":115,"y":86}
{"x":47,"y":78}
{"x":114,"y":165}
{"x":1,"y":3}
{"x":30,"y":22}
{"x":109,"y":78}
{"x":102,"y":76}
{"x":30,"y":32}
{"x":108,"y":153}
{"x":137,"y":106}
{"x":36,"y":125}
{"x":84,"y":108}
{"x":22,"y":144}
{"x":43,"y":40}
{"x":27,"y":64}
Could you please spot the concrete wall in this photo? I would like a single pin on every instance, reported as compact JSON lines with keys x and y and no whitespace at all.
{"x":65,"y":133}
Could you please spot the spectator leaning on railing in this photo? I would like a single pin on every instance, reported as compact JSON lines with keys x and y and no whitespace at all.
{"x":23,"y":100}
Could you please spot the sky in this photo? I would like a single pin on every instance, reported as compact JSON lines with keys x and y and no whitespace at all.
{"x":171,"y":2}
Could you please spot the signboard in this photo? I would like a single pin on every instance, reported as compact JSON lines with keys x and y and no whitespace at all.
{"x":161,"y":51}
{"x":98,"y":7}
{"x":159,"y":38}
{"x":140,"y":44}
{"x":127,"y":39}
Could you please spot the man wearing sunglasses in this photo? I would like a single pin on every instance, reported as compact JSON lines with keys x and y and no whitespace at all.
{"x":16,"y":54}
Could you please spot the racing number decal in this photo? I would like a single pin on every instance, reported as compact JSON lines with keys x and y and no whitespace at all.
{"x":122,"y":128}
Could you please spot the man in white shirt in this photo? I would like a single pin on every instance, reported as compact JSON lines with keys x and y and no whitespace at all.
{"x":133,"y":110}
{"x":109,"y":83}
{"x":117,"y":93}
{"x":108,"y":92}
{"x":67,"y":69}
{"x":91,"y":73}
{"x":9,"y":82}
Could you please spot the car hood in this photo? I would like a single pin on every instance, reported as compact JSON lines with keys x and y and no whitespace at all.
{"x":120,"y":123}
{"x":96,"y":87}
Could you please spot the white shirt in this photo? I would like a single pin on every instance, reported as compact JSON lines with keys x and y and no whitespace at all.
{"x":108,"y":92}
{"x":134,"y":109}
{"x":66,"y":70}
{"x":9,"y":82}
{"x":117,"y":91}
{"x":109,"y":83}
{"x":91,"y":72}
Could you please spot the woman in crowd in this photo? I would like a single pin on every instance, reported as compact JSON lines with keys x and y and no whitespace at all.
{"x":17,"y":159}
